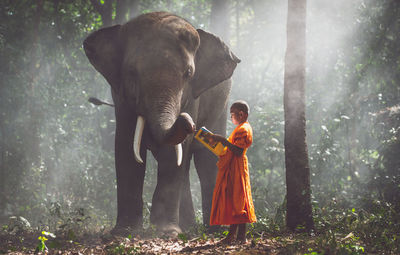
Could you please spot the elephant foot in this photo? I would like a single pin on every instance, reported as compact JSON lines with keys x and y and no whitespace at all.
{"x":123,"y":231}
{"x":170,"y":230}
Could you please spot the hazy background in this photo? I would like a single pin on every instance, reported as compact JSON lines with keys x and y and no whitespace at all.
{"x":57,"y":161}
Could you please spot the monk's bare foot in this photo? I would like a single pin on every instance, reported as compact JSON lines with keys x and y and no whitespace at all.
{"x":241,"y":240}
{"x":228,"y":240}
{"x":241,"y":236}
{"x":231,"y":234}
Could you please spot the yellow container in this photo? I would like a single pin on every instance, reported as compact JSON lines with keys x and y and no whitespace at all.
{"x":215,"y":147}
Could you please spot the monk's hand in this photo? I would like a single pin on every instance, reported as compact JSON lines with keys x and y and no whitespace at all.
{"x":207,"y":135}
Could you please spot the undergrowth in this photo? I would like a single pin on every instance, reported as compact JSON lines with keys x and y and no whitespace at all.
{"x":372,"y":229}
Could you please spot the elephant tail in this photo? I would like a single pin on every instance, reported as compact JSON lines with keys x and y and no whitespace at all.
{"x":97,"y":101}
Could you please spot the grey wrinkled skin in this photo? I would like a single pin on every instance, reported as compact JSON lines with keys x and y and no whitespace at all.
{"x":160,"y":67}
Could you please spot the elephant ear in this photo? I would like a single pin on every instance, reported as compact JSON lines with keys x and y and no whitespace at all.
{"x":214,"y":63}
{"x":104,"y":53}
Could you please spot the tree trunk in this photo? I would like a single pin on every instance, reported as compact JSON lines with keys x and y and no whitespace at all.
{"x":134,"y":10}
{"x":219,"y":19}
{"x":105,"y":11}
{"x":3,"y":174}
{"x":299,"y":212}
{"x":121,"y":10}
{"x":237,"y":17}
{"x":32,"y":133}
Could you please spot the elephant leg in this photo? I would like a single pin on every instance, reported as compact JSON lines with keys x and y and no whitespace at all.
{"x":187,"y":216}
{"x":165,"y":204}
{"x":205,"y":162}
{"x":129,"y":173}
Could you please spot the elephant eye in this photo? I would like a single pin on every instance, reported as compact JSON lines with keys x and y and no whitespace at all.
{"x":188,"y":73}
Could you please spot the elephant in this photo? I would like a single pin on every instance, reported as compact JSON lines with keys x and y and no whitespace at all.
{"x":166,"y":79}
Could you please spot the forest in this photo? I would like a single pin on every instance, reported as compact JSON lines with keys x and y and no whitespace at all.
{"x":58,"y":183}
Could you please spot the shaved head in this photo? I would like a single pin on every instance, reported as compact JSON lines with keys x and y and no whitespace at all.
{"x":241,"y":105}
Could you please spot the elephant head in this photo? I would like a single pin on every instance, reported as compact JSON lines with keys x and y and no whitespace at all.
{"x":151,"y":62}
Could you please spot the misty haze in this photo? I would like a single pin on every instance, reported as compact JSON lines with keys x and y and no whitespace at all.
{"x":59,"y":152}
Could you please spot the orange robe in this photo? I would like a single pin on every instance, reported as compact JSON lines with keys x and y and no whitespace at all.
{"x":232,"y":202}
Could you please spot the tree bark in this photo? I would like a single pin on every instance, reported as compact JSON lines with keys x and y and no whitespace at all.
{"x":105,"y":11}
{"x":237,"y":20}
{"x":3,"y":175}
{"x":299,"y":212}
{"x":134,"y":10}
{"x":121,"y":10}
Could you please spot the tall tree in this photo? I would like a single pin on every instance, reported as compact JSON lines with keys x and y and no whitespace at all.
{"x":220,"y":19}
{"x":33,"y":139}
{"x":133,"y":8}
{"x":123,"y":10}
{"x":299,"y":213}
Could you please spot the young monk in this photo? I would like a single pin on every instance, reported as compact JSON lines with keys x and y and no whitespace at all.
{"x":232,"y":203}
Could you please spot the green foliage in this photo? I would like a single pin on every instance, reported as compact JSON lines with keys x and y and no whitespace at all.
{"x":376,"y":227}
{"x":183,"y":237}
{"x":50,"y":137}
{"x":41,"y":247}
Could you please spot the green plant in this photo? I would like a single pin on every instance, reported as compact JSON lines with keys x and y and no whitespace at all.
{"x":71,"y":222}
{"x":311,"y":252}
{"x":183,"y":237}
{"x":351,"y":249}
{"x":41,"y":247}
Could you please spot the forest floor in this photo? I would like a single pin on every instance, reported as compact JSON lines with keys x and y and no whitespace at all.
{"x":108,"y":244}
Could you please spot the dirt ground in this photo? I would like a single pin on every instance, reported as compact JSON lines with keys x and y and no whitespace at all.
{"x":107,"y":244}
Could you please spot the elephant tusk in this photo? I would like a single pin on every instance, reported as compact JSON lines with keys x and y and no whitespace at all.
{"x":178,"y":150}
{"x":138,"y":138}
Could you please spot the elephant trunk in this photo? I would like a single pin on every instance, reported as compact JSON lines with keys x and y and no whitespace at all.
{"x":183,"y":126}
{"x":174,"y":134}
{"x":167,"y":125}
{"x":160,"y":108}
